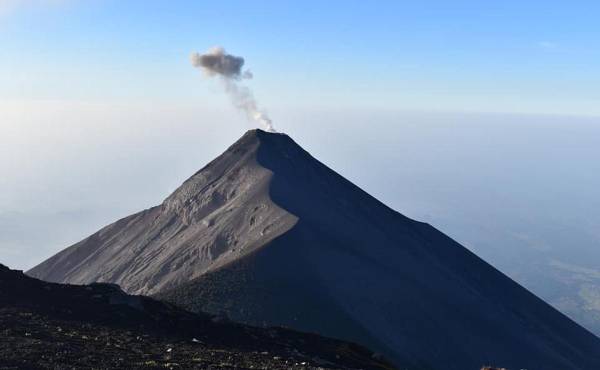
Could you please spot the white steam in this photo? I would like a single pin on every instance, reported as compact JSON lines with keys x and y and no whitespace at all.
{"x":216,"y":62}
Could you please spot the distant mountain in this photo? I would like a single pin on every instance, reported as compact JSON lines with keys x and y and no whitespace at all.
{"x":47,"y":325}
{"x":268,"y":235}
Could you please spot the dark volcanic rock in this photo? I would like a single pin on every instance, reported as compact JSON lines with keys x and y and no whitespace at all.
{"x":47,"y":325}
{"x":269,"y":235}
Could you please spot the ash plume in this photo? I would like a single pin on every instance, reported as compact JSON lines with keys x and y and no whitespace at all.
{"x":228,"y":68}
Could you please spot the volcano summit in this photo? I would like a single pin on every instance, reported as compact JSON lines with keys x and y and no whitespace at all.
{"x":270,"y":236}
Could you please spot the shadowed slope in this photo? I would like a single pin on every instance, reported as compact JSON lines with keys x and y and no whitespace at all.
{"x":353,"y":268}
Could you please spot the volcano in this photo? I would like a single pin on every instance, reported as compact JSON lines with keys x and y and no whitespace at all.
{"x":268,"y":235}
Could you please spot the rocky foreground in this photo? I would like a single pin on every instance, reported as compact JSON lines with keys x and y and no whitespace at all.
{"x":49,"y":326}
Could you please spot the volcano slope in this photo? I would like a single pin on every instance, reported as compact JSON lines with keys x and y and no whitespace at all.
{"x":270,"y":236}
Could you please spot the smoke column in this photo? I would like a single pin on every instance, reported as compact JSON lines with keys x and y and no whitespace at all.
{"x":228,"y":68}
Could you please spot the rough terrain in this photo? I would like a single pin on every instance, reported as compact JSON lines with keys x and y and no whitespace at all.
{"x":57,"y":326}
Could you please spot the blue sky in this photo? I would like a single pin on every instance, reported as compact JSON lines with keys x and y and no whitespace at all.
{"x":509,"y":56}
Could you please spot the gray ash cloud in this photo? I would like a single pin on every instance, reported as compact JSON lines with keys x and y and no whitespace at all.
{"x":217,"y":63}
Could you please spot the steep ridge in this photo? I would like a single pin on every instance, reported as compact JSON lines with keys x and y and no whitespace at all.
{"x":326,"y":258}
{"x":221,"y":213}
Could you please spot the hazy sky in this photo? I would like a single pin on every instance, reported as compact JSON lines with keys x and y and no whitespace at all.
{"x":101,"y":113}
